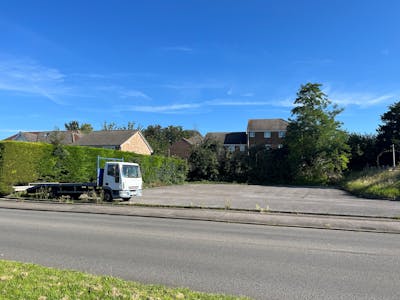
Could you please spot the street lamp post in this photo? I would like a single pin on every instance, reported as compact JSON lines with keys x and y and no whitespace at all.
{"x":394,"y":156}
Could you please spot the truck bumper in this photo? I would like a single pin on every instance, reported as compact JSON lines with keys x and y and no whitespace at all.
{"x":129,"y":193}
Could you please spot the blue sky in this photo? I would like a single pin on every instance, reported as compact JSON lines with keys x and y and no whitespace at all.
{"x":208,"y":65}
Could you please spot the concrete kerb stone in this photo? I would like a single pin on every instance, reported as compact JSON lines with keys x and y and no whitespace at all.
{"x":363,"y":224}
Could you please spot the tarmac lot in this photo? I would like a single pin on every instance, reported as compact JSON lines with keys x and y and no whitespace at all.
{"x":279,"y":199}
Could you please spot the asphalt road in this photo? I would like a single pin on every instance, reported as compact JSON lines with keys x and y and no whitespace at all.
{"x":258,"y":261}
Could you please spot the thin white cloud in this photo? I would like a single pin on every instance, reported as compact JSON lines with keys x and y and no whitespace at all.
{"x":29,"y":77}
{"x":122,"y":92}
{"x":249,"y":94}
{"x":229,"y":102}
{"x":134,"y":94}
{"x":193,"y":86}
{"x":172,"y":108}
{"x":360,"y":99}
{"x":288,"y":103}
{"x":178,"y":48}
{"x":194,"y":107}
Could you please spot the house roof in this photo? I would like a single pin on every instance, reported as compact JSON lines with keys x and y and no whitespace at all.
{"x":194,"y":140}
{"x":267,"y":125}
{"x":106,"y":138}
{"x":228,"y":138}
{"x":65,"y":137}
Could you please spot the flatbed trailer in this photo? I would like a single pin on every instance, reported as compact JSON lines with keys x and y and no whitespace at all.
{"x":55,"y":189}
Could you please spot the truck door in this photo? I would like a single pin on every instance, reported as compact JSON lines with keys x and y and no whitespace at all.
{"x":112,"y":177}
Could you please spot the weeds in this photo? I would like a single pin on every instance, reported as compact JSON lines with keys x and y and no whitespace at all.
{"x":374,"y":182}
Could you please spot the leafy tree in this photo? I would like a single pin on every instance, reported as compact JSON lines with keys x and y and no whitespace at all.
{"x":86,"y":128}
{"x":204,"y":161}
{"x":161,"y":138}
{"x":389,"y":131}
{"x":72,"y":126}
{"x":268,"y":166}
{"x":363,"y":149}
{"x":317,"y":149}
{"x":75,"y":126}
{"x":56,"y":137}
{"x":114,"y":126}
{"x":233,"y":166}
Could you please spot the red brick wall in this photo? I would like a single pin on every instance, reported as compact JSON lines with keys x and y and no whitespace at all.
{"x":259,"y":139}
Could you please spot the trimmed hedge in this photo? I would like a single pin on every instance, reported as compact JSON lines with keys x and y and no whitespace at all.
{"x":23,"y":162}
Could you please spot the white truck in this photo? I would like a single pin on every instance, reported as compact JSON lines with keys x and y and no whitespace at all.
{"x":118,"y":179}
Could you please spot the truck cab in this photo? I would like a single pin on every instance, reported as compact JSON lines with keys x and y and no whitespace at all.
{"x":120,"y":180}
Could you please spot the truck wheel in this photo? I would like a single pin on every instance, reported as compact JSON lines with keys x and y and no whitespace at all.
{"x":75,"y":196}
{"x":107,"y":196}
{"x":52,"y":193}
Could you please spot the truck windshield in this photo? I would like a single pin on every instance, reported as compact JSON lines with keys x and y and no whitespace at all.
{"x":131,"y":171}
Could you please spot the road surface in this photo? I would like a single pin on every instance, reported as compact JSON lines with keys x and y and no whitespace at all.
{"x":258,"y":261}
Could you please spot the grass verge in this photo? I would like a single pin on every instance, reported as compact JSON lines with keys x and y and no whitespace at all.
{"x":29,"y":281}
{"x":374,"y":183}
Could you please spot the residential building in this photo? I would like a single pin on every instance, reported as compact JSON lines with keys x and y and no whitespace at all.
{"x":64,"y":137}
{"x":266,"y":132}
{"x":184,"y":146}
{"x":124,"y":140}
{"x":232,"y":141}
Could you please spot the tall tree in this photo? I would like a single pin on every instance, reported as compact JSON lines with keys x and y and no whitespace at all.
{"x":317,"y":149}
{"x":75,"y":126}
{"x":86,"y":128}
{"x":389,"y":131}
{"x":114,"y":126}
{"x":363,"y":149}
{"x":72,"y":126}
{"x":204,"y":161}
{"x":161,"y":138}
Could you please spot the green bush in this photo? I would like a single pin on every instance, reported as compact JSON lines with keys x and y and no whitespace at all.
{"x":21,"y":163}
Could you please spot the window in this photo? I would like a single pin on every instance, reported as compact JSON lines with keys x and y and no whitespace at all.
{"x":231,"y":148}
{"x":268,"y":146}
{"x":131,"y":171}
{"x":280,"y":146}
{"x":252,"y":134}
{"x":242,"y":148}
{"x":111,"y":170}
{"x":267,"y":134}
{"x":282,"y":134}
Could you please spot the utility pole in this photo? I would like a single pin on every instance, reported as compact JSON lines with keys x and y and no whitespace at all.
{"x":394,"y":157}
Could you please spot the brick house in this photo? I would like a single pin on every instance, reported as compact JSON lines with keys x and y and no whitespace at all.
{"x":124,"y":140}
{"x":232,"y":141}
{"x":184,"y":147}
{"x":267,"y":132}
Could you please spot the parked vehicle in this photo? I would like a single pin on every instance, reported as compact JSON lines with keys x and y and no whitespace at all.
{"x":118,"y":179}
